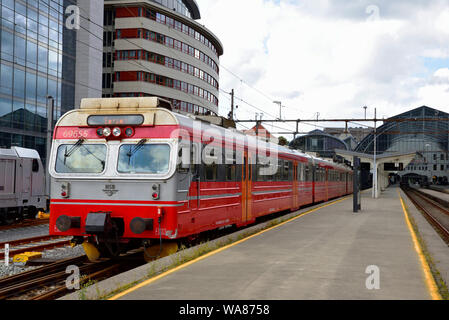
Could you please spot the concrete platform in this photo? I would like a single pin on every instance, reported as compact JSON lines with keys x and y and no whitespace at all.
{"x":440,"y":188}
{"x":437,"y":194}
{"x":323,"y":255}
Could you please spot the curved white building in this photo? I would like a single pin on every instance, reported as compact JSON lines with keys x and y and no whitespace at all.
{"x":156,"y":48}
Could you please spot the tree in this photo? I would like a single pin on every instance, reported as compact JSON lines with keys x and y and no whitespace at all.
{"x":283,"y":141}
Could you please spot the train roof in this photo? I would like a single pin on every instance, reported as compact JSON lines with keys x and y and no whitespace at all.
{"x":158,"y":111}
{"x":17,"y":152}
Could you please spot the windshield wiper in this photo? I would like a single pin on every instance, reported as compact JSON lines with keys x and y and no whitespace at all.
{"x":131,"y":152}
{"x":72,"y":150}
{"x":136,"y":148}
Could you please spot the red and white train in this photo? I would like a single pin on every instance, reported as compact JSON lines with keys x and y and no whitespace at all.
{"x":129,"y":171}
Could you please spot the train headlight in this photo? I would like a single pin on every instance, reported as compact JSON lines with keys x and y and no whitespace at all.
{"x":116,"y":132}
{"x":100,"y":132}
{"x":106,"y":132}
{"x":129,"y":132}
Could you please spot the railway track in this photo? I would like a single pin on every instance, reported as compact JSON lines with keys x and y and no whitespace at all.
{"x":36,"y":244}
{"x":49,"y":282}
{"x":25,"y":224}
{"x":436,"y":213}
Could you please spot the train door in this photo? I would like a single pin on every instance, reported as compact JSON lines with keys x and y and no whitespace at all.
{"x":26,"y":176}
{"x":295,"y":185}
{"x":246,"y":188}
{"x":7,"y":174}
{"x":18,"y":186}
{"x":195,"y":187}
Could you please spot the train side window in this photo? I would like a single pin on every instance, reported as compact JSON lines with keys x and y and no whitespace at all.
{"x":210,"y":172}
{"x":230,"y":172}
{"x":290,"y":171}
{"x":230,"y":166}
{"x":272,"y":176}
{"x":285,"y":173}
{"x":254,"y":171}
{"x":35,"y":166}
{"x":279,"y":173}
{"x":194,"y":159}
{"x":301,"y":172}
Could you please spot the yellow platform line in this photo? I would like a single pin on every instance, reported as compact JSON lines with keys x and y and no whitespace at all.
{"x":429,"y":280}
{"x":162,"y":275}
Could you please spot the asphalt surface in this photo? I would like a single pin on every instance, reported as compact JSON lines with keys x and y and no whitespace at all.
{"x":328,"y":254}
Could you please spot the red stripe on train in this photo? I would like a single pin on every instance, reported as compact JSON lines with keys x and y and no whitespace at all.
{"x":106,"y":202}
{"x":91,"y":132}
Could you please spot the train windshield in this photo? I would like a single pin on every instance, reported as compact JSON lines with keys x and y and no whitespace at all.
{"x":81,"y":158}
{"x":144,"y":158}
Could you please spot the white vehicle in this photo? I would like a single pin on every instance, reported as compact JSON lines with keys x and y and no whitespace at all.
{"x":22,"y":184}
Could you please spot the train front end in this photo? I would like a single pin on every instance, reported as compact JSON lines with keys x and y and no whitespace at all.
{"x":112,"y":166}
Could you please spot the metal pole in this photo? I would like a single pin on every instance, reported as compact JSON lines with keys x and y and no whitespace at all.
{"x":7,"y":255}
{"x":280,"y":108}
{"x":375,"y":194}
{"x":297,"y":129}
{"x":356,"y":204}
{"x":50,"y":114}
{"x":232,"y":104}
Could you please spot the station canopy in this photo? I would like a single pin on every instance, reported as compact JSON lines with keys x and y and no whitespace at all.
{"x":420,"y":130}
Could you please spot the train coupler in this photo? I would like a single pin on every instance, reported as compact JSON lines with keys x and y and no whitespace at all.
{"x":99,"y":223}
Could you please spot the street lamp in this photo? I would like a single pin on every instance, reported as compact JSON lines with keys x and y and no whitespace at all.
{"x":280,"y":108}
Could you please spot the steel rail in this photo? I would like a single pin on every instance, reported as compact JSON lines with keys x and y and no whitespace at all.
{"x":443,"y":229}
{"x":29,"y":240}
{"x":26,"y":284}
{"x":25,"y":224}
{"x":37,"y":248}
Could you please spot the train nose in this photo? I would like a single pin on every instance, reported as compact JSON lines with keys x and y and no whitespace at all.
{"x":65,"y":223}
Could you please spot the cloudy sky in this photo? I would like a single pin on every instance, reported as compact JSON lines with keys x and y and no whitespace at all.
{"x":331,"y":57}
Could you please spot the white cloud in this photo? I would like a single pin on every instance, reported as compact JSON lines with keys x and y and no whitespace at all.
{"x":442,"y":74}
{"x":331,"y":56}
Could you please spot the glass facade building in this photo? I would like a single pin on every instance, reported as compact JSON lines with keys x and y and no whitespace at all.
{"x":38,"y":59}
{"x":424,"y":130}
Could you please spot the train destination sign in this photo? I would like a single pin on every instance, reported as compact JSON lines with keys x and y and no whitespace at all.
{"x":115,"y":120}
